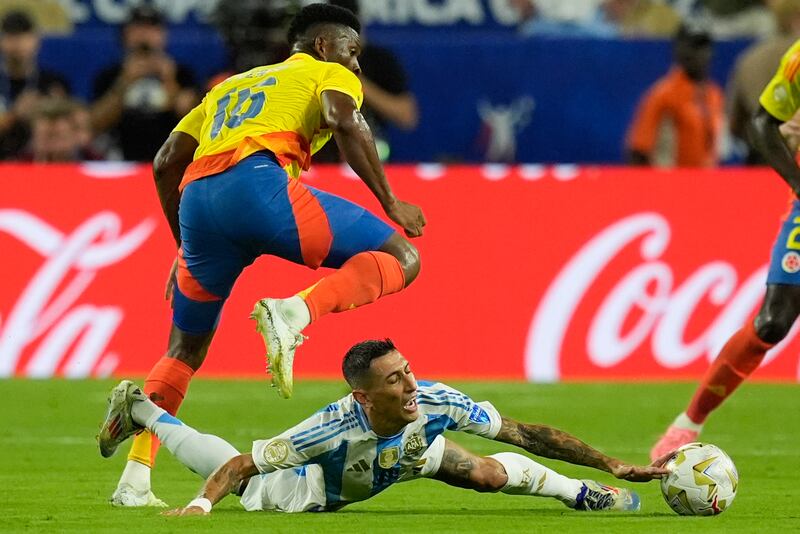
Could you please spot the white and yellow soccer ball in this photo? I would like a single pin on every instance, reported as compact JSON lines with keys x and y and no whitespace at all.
{"x":702,"y":480}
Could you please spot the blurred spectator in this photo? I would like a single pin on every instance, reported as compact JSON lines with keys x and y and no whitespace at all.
{"x":582,"y":18}
{"x":388,"y":101}
{"x":597,"y":18}
{"x":754,"y":69}
{"x":254,"y":32}
{"x":689,"y":100}
{"x":82,"y":123}
{"x":140,"y":100}
{"x":56,"y":133}
{"x":22,"y":82}
{"x":641,"y":18}
{"x":51,"y":17}
{"x":739,"y":18}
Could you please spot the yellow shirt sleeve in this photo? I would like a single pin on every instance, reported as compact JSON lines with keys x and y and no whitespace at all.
{"x":781,"y":97}
{"x":338,"y":78}
{"x":192,"y":123}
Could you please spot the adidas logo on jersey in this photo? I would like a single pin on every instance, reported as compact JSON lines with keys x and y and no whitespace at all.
{"x":359,"y":467}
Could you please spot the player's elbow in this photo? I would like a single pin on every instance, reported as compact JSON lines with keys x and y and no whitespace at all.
{"x":347,"y":125}
{"x":162,"y":163}
{"x":759,"y":128}
{"x":238,"y":469}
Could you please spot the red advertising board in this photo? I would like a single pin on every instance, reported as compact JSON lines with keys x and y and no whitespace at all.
{"x":530,"y":272}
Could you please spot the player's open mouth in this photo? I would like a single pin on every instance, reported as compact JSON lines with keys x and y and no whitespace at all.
{"x":411,"y":405}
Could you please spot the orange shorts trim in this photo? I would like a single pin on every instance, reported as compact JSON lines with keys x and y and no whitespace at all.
{"x":313,"y":229}
{"x":189,"y":286}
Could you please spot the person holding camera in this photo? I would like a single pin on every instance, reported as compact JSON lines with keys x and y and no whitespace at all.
{"x":140,"y":100}
{"x":23,"y":82}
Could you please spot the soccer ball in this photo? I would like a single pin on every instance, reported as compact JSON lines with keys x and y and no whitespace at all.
{"x":702,"y":480}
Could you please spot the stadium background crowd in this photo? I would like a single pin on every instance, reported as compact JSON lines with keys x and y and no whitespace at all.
{"x":52,"y":113}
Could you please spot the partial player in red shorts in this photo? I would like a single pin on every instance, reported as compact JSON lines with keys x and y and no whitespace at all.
{"x":232,"y":166}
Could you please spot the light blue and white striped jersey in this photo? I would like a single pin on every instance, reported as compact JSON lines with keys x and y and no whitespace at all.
{"x":356,"y":462}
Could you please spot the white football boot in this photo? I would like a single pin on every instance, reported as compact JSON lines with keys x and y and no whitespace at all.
{"x":127,"y":496}
{"x":281,"y":340}
{"x":595,"y":497}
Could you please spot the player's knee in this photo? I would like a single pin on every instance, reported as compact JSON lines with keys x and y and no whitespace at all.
{"x":406,"y":253}
{"x":409,"y":261}
{"x":772,"y":328}
{"x":489,"y":478}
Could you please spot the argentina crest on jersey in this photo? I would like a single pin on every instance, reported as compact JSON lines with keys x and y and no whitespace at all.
{"x":388,"y":457}
{"x":413,"y":445}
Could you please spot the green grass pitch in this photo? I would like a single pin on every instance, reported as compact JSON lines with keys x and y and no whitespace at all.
{"x":54,"y":480}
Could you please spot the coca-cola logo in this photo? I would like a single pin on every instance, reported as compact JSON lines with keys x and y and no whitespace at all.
{"x":664,"y":306}
{"x":45,"y":316}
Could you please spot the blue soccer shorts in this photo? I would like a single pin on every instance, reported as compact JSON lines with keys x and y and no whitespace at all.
{"x":784,"y":264}
{"x":229,"y":219}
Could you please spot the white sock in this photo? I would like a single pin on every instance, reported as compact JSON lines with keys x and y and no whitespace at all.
{"x":143,"y":411}
{"x":137,"y":475}
{"x":683,"y":421}
{"x":295,"y":311}
{"x":202,"y":453}
{"x":526,"y":477}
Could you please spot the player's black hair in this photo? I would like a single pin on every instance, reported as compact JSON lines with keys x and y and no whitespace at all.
{"x":321,"y":14}
{"x":358,"y":359}
{"x":350,"y":5}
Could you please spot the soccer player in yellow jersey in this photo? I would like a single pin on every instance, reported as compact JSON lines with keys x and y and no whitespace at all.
{"x":773,"y":132}
{"x":232,"y":166}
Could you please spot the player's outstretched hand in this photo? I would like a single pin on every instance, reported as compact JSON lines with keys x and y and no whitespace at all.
{"x":408,"y":216}
{"x":189,"y":510}
{"x":639,"y":473}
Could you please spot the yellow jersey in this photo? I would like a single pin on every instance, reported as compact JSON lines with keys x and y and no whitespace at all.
{"x":274,"y":107}
{"x":781,"y":97}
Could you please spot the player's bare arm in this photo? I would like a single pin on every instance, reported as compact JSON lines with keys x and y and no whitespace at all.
{"x":168,"y":167}
{"x":765,"y":134}
{"x":354,"y":138}
{"x":222,"y":482}
{"x":549,"y":442}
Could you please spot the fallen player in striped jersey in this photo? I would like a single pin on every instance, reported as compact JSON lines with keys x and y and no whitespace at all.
{"x":388,"y":429}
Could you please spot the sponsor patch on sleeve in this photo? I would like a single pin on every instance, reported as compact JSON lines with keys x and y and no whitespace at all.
{"x":479,"y":415}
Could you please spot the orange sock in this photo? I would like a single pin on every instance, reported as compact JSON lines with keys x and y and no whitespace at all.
{"x":364,"y":278}
{"x":166,"y":385}
{"x":737,"y":360}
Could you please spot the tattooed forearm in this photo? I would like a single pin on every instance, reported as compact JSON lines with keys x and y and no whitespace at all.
{"x":457,"y":467}
{"x":227,"y":477}
{"x":550,"y":442}
{"x":455,"y":462}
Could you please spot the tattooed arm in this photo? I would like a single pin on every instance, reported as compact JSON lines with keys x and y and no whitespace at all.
{"x":550,"y":442}
{"x":224,"y":480}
